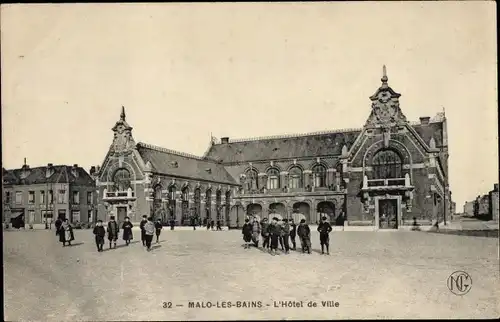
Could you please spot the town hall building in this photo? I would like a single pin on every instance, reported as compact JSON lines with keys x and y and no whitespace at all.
{"x":386,"y":174}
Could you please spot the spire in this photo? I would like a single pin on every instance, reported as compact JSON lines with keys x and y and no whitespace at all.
{"x":25,"y":161}
{"x":122,"y":115}
{"x":384,"y":78}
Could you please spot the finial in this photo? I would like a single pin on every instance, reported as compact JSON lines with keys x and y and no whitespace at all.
{"x":122,"y":115}
{"x":384,"y":74}
{"x":24,"y":161}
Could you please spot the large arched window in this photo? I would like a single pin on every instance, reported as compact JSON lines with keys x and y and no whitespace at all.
{"x":121,"y":180}
{"x":273,"y":179}
{"x":319,"y":175}
{"x":228,"y":204}
{"x":218,"y":203}
{"x":253,"y":179}
{"x":295,"y":178}
{"x":185,"y":204}
{"x":197,"y":202}
{"x":208,"y":203}
{"x":171,"y":200}
{"x":387,"y":164}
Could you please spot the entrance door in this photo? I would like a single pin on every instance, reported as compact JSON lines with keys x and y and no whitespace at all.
{"x":388,"y":214}
{"x":122,"y":213}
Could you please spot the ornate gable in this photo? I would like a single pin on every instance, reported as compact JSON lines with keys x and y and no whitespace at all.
{"x":385,"y":107}
{"x":123,"y":141}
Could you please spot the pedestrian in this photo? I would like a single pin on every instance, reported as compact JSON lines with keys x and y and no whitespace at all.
{"x":285,"y":232}
{"x":324,"y":229}
{"x":207,"y":221}
{"x":274,"y":232}
{"x":193,"y":222}
{"x":149,"y":230}
{"x":304,"y":233}
{"x":113,"y":230}
{"x":99,"y":233}
{"x":212,"y":224}
{"x":264,"y":228}
{"x":158,"y":228}
{"x":247,"y":233}
{"x":143,"y":232}
{"x":280,"y":227}
{"x":219,"y":226}
{"x":66,"y":233}
{"x":127,"y":231}
{"x":58,"y":224}
{"x":172,"y":223}
{"x":256,"y":229}
{"x":293,"y":233}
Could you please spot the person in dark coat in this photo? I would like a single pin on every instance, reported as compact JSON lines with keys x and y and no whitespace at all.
{"x":66,"y":233}
{"x":58,"y":224}
{"x":143,"y":233}
{"x":113,"y":230}
{"x":158,"y":228}
{"x":99,"y":233}
{"x":280,"y":238}
{"x":149,"y":230}
{"x":247,"y":233}
{"x":285,"y":233}
{"x":219,"y":226}
{"x":264,"y":226}
{"x":293,"y":233}
{"x":212,"y":225}
{"x":324,"y":229}
{"x":304,"y":233}
{"x":274,"y":233}
{"x":127,"y":231}
{"x":193,"y":222}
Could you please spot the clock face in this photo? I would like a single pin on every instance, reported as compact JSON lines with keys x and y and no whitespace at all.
{"x":384,"y":97}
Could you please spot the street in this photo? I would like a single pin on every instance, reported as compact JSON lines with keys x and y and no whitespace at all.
{"x":368,"y":274}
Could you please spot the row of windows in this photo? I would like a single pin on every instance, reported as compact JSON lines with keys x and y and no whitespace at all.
{"x":294,"y":179}
{"x":61,"y":197}
{"x":43,"y":216}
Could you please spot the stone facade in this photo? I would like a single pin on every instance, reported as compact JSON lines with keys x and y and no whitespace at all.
{"x":494,"y":203}
{"x":384,"y":174}
{"x":42,"y":194}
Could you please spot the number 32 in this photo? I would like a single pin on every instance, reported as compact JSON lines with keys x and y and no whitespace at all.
{"x":167,"y":305}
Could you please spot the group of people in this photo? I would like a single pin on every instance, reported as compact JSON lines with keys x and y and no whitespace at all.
{"x":283,"y":231}
{"x":148,"y":230}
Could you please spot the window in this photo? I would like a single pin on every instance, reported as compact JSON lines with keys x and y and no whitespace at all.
{"x":31,"y":197}
{"x":42,"y":197}
{"x":387,"y":164}
{"x":319,"y":175}
{"x":89,"y":215}
{"x":31,"y":217}
{"x":121,"y":180}
{"x":75,"y":216}
{"x":208,"y":202}
{"x":228,"y":203}
{"x":90,"y":198}
{"x":197,"y":201}
{"x":273,"y":179}
{"x":19,"y":197}
{"x":171,"y":200}
{"x":218,"y":202}
{"x":295,"y":178}
{"x":61,"y":197}
{"x":51,"y":196}
{"x":253,"y":179}
{"x":47,"y":215}
{"x":76,"y":197}
{"x":7,"y":197}
{"x":185,"y":203}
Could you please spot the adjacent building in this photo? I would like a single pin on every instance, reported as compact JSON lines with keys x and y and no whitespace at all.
{"x":486,"y":206}
{"x":40,"y":195}
{"x":384,"y":174}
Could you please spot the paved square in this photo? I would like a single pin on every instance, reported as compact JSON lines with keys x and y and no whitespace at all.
{"x":370,"y":275}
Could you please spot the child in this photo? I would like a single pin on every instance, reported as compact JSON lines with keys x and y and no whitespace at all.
{"x":149,"y":230}
{"x":99,"y":233}
{"x":304,"y":233}
{"x":219,"y":226}
{"x":113,"y":231}
{"x":274,"y":232}
{"x":158,"y":228}
{"x":285,"y":232}
{"x":212,"y":225}
{"x":293,"y":233}
{"x":324,"y":229}
{"x":127,"y":231}
{"x":143,"y":232}
{"x":247,"y":233}
{"x":265,"y":233}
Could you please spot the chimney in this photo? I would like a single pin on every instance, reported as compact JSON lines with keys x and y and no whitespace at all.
{"x":75,"y":165}
{"x":92,"y":170}
{"x":425,"y":120}
{"x":495,"y":187}
{"x":74,"y":170}
{"x":224,"y":140}
{"x":50,"y":165}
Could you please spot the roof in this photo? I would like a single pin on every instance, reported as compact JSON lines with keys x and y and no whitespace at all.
{"x":185,"y":165}
{"x":284,"y":147}
{"x":61,"y":174}
{"x":309,"y":145}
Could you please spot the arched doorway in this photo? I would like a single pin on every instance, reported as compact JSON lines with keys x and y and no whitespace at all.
{"x":171,"y":202}
{"x":277,"y":209}
{"x":254,"y":209}
{"x":326,"y":208}
{"x":237,"y":216}
{"x":301,"y":210}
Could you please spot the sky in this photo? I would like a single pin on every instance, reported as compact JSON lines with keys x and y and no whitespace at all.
{"x":186,"y":71}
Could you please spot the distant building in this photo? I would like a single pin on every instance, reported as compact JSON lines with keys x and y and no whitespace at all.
{"x":494,"y":207}
{"x":469,"y":208}
{"x":383,"y":174}
{"x":42,"y":194}
{"x":486,"y":206}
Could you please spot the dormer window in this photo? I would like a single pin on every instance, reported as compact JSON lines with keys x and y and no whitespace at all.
{"x":175,"y":164}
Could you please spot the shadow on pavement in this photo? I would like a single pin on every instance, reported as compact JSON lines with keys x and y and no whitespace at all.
{"x":120,"y":246}
{"x":155,"y":247}
{"x":75,"y":244}
{"x":476,"y":233}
